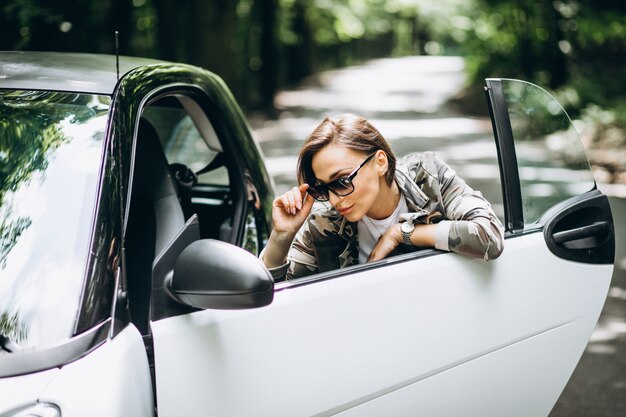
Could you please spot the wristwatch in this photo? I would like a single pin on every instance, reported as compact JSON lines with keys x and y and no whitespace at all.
{"x":407,"y":228}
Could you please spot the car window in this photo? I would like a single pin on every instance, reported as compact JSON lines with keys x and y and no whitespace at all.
{"x":189,"y":138}
{"x":187,"y":146}
{"x":183,"y":143}
{"x":51,"y":147}
{"x":189,"y":141}
{"x":169,"y":209}
{"x":551,"y":159}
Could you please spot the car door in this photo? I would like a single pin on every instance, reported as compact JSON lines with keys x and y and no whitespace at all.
{"x":427,"y":333}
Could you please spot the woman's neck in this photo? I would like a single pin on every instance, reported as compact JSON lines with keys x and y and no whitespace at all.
{"x":386,"y":202}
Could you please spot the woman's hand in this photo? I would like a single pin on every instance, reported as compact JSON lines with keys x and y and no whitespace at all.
{"x":387,"y":243}
{"x":423,"y":235}
{"x":290,"y":210}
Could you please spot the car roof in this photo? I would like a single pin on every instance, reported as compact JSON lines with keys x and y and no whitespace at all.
{"x":60,"y":71}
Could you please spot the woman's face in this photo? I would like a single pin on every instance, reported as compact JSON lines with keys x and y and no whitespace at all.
{"x":336,"y":161}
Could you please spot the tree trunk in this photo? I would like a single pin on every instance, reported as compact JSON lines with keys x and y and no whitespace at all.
{"x":301,"y":57}
{"x":120,"y":20}
{"x":269,"y":54}
{"x":174,"y":23}
{"x":553,"y":57}
{"x":213,"y":25}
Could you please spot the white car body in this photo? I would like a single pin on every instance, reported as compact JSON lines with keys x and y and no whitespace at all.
{"x":172,"y":317}
{"x":434,"y":346}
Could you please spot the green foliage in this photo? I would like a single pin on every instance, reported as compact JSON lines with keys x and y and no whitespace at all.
{"x":10,"y":232}
{"x":29,"y":132}
{"x":12,"y":327}
{"x":261,"y":45}
{"x":26,"y":136}
{"x":576,"y":48}
{"x":255,"y":45}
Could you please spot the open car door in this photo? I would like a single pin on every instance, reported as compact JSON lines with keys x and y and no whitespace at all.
{"x":428,"y":333}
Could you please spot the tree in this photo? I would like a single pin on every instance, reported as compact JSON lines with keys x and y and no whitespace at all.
{"x":268,"y":80}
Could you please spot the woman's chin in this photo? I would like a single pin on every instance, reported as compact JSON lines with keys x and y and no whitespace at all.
{"x":352,"y":213}
{"x":353,"y":216}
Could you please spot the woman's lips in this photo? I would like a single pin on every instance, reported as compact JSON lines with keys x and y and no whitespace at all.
{"x":344,"y":210}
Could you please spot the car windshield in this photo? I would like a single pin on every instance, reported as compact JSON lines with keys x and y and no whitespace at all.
{"x":51,"y":145}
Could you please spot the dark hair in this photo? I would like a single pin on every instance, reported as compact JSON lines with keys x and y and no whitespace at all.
{"x":348,"y":130}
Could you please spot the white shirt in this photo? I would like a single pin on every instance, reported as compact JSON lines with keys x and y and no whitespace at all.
{"x":370,"y":230}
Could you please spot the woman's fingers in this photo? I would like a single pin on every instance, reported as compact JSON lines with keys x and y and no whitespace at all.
{"x":386,"y":244}
{"x":295,"y":199}
{"x":303,"y":188}
{"x":302,"y":195}
{"x":381,"y":251}
{"x":307,"y":203}
{"x":282,"y":201}
{"x":291,"y":209}
{"x":291,"y":198}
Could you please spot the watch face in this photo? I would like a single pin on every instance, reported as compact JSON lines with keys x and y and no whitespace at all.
{"x":407,"y":227}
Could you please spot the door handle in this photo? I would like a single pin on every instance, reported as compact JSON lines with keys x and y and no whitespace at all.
{"x":593,"y":230}
{"x":580,"y":229}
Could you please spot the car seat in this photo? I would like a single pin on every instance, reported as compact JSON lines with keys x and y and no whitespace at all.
{"x":155,"y":219}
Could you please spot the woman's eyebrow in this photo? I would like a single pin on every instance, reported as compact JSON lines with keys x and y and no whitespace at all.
{"x":337,"y":174}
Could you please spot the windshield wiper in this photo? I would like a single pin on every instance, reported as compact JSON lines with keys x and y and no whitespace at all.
{"x":7,"y":345}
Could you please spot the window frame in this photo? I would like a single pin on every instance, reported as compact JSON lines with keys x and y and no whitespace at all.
{"x":234,"y":163}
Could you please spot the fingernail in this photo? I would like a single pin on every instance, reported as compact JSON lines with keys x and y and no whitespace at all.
{"x":299,"y":205}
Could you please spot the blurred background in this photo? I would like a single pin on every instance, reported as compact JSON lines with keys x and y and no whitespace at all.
{"x":576,"y":48}
{"x":416,"y":68}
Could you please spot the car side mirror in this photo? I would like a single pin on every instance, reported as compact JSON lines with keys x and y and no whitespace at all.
{"x":214,"y":274}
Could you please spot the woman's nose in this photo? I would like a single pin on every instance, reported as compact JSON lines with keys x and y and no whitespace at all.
{"x":334,"y":199}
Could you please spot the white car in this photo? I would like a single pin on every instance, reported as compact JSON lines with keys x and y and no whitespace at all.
{"x":134,"y":203}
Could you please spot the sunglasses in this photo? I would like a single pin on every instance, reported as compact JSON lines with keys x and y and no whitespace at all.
{"x":341,"y":187}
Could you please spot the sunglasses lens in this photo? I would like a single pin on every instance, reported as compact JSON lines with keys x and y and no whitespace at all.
{"x":341,"y":186}
{"x":320,"y":193}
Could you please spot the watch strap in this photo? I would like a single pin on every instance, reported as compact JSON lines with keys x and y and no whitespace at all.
{"x":406,"y":235}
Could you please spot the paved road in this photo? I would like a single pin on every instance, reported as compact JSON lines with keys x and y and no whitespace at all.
{"x":407,"y":99}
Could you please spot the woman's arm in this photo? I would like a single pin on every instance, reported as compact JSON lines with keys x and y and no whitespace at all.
{"x":423,"y":236}
{"x":472,"y":227}
{"x":289,"y":213}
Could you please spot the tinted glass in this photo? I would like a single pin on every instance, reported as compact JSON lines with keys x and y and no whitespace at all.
{"x":552,"y":162}
{"x":50,"y":151}
{"x":183,"y":143}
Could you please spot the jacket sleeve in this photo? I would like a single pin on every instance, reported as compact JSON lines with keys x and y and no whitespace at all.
{"x":301,"y":260}
{"x":472,"y":227}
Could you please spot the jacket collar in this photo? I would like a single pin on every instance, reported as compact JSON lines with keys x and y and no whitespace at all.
{"x":415,"y":197}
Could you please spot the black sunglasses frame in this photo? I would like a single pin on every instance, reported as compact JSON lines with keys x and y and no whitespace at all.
{"x":320,"y":191}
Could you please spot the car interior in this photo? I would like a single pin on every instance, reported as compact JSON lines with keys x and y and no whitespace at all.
{"x":180,"y":192}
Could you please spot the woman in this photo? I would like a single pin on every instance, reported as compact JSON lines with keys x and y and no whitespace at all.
{"x":368,"y":207}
